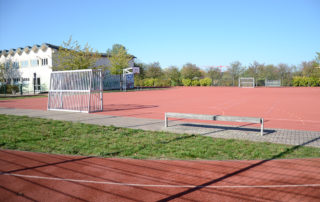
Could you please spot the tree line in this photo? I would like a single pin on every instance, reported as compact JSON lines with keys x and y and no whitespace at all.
{"x":191,"y":75}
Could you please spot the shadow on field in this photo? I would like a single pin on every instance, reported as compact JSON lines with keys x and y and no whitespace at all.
{"x":238,"y":172}
{"x":123,"y":107}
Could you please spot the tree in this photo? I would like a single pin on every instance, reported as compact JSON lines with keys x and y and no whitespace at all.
{"x":190,"y":71}
{"x":285,"y":74}
{"x":253,"y":71}
{"x":235,"y":70}
{"x":9,"y":71}
{"x":119,"y":58}
{"x":271,"y":72}
{"x":215,"y":74}
{"x":173,"y":74}
{"x":154,"y":70}
{"x":2,"y":69}
{"x":71,"y":56}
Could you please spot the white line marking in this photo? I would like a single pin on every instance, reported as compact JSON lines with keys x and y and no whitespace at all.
{"x":161,"y":185}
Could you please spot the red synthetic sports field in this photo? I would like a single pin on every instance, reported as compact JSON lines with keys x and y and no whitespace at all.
{"x":29,"y":176}
{"x":286,"y":108}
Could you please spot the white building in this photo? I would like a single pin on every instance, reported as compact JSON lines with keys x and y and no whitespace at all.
{"x":34,"y":65}
{"x":30,"y":62}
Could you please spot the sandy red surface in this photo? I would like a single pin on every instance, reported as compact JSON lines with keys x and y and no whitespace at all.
{"x":286,"y":108}
{"x":27,"y":176}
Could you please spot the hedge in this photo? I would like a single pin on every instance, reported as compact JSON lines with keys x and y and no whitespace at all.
{"x":305,"y":81}
{"x":205,"y":82}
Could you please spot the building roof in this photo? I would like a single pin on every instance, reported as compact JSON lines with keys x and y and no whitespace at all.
{"x":36,"y":47}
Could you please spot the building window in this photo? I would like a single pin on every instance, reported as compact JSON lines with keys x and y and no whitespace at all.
{"x":25,"y":81}
{"x":15,"y":65}
{"x":34,"y":63}
{"x":44,"y":61}
{"x":24,"y":63}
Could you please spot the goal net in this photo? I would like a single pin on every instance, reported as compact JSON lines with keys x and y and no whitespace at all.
{"x":76,"y":90}
{"x":246,"y":82}
{"x":272,"y":83}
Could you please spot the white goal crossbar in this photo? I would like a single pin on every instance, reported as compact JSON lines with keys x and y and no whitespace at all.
{"x":246,"y":82}
{"x":76,"y":90}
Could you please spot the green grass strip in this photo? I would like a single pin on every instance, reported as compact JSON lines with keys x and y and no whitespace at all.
{"x":21,"y":97}
{"x":62,"y":137}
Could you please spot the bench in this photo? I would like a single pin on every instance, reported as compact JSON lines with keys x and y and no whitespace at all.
{"x":214,"y":118}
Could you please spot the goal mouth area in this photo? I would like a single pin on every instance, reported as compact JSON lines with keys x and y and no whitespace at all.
{"x":246,"y":82}
{"x":76,"y":91}
{"x":272,"y":83}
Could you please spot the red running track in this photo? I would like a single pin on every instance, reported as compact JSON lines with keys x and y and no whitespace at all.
{"x":27,"y":176}
{"x":285,"y":108}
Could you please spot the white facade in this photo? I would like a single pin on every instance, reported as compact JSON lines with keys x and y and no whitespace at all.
{"x":37,"y":60}
{"x":29,"y":61}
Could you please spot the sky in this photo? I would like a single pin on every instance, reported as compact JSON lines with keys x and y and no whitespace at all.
{"x":171,"y":32}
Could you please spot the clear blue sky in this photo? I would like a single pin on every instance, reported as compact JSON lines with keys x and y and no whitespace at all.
{"x":172,"y":32}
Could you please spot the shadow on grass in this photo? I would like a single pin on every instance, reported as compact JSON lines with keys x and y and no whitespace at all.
{"x":204,"y":185}
{"x":265,"y":131}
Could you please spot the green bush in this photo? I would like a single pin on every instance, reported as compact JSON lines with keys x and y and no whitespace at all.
{"x":175,"y":82}
{"x":9,"y":88}
{"x":195,"y":83}
{"x":151,"y":82}
{"x":148,"y":82}
{"x":205,"y":82}
{"x":305,"y":81}
{"x":186,"y":82}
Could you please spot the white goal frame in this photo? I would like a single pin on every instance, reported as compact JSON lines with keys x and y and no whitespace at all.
{"x":272,"y":83}
{"x":76,"y":91}
{"x":246,"y":82}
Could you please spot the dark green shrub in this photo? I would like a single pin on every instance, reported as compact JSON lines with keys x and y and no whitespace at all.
{"x":186,"y":82}
{"x":195,"y":83}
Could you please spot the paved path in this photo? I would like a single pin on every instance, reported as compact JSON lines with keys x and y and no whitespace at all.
{"x":291,"y":137}
{"x":28,"y":176}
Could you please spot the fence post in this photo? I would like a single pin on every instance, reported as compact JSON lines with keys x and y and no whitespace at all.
{"x":20,"y":89}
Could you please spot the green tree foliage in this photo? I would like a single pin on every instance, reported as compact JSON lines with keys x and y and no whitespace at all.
{"x":154,"y":70}
{"x":71,"y":56}
{"x":173,"y":74}
{"x":190,"y":71}
{"x":119,"y":58}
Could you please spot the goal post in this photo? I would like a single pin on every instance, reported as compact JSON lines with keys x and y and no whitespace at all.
{"x":76,"y":90}
{"x":272,"y":83}
{"x":246,"y":82}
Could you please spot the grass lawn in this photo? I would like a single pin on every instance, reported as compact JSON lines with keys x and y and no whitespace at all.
{"x":43,"y":135}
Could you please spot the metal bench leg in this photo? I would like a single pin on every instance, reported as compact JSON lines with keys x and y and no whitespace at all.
{"x":165,"y":120}
{"x":261,"y":127}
